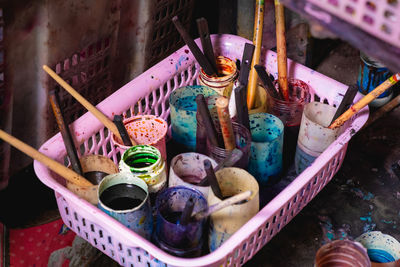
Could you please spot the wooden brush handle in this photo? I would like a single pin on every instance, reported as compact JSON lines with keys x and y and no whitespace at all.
{"x":225,"y":122}
{"x":281,"y":49}
{"x":97,"y":113}
{"x":55,"y":166}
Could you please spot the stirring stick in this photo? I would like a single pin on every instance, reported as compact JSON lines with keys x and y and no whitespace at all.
{"x":203,"y":61}
{"x":365,"y":101}
{"x":225,"y":122}
{"x":257,"y":39}
{"x":202,"y":27}
{"x":229,"y":161}
{"x":212,"y":179}
{"x":187,"y":212}
{"x":55,"y":166}
{"x":266,"y":80}
{"x":122,"y":130}
{"x":246,"y":64}
{"x":346,"y":102}
{"x":383,"y":110}
{"x":206,"y":118}
{"x":65,"y":133}
{"x":241,"y":106}
{"x":97,"y":113}
{"x":281,"y":49}
{"x":223,"y":204}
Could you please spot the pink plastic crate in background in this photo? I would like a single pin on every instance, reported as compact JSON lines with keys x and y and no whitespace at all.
{"x":148,"y":94}
{"x":377,"y":17}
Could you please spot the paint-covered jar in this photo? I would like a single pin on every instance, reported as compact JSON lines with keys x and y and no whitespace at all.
{"x":223,"y":83}
{"x":225,"y":222}
{"x":146,"y":163}
{"x":183,"y":109}
{"x":290,"y":112}
{"x":145,"y":130}
{"x":243,"y":142}
{"x":372,"y":73}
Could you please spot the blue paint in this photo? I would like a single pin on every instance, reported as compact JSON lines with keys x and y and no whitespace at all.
{"x":266,"y":147}
{"x":302,"y":160}
{"x":216,"y":238}
{"x":183,"y":113}
{"x":379,"y":255}
{"x":179,"y":63}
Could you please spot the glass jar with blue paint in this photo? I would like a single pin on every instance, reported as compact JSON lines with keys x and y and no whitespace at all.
{"x":183,"y":109}
{"x":267,"y":133}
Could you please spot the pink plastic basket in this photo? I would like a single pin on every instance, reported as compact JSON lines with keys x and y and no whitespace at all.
{"x":148,"y":94}
{"x":377,"y":17}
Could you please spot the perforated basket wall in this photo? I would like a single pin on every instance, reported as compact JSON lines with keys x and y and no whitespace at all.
{"x":380,"y":18}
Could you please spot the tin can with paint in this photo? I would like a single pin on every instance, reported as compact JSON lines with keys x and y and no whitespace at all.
{"x":290,"y":112}
{"x":145,"y":130}
{"x":172,"y":236}
{"x":126,"y":198}
{"x":223,"y":83}
{"x":266,"y":148}
{"x":243,"y":142}
{"x":381,"y":248}
{"x":187,"y":169}
{"x":314,"y":135}
{"x":183,"y":109}
{"x":342,"y":253}
{"x":145,"y":162}
{"x":225,"y":222}
{"x":371,"y":74}
{"x":92,"y":163}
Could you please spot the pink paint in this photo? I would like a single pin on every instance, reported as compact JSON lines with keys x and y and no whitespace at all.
{"x":145,"y":130}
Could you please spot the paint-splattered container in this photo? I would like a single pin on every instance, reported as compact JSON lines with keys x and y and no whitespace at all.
{"x":136,"y":216}
{"x":342,"y":253}
{"x":260,"y":104}
{"x":243,"y":142}
{"x":290,"y":112}
{"x":371,"y":74}
{"x":266,"y":148}
{"x":146,"y":163}
{"x":145,"y":130}
{"x":314,"y":135}
{"x":225,"y":222}
{"x":170,"y":235}
{"x":187,"y":169}
{"x":381,"y":248}
{"x":92,"y":163}
{"x":222,"y":84}
{"x":183,"y":109}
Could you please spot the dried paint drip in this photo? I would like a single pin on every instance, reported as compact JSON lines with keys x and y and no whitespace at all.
{"x":266,"y":148}
{"x":381,"y":248}
{"x":314,"y":135}
{"x":183,"y":114}
{"x":146,"y":130}
{"x":126,"y":198}
{"x":144,"y":162}
{"x":171,"y":236}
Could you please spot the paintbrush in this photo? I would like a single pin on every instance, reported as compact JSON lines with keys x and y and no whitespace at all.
{"x":242,"y":112}
{"x":346,"y":101}
{"x":257,"y":40}
{"x":122,"y":130}
{"x":187,"y":212}
{"x":229,"y":161}
{"x":212,"y":179}
{"x":55,"y":166}
{"x":223,"y":204}
{"x":267,"y":82}
{"x":208,"y":51}
{"x":281,"y":49}
{"x":65,"y":133}
{"x":205,"y":115}
{"x":97,"y":113}
{"x":225,"y":123}
{"x":201,"y":59}
{"x":365,"y":101}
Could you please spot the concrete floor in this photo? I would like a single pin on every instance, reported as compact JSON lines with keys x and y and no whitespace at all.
{"x":363,"y":196}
